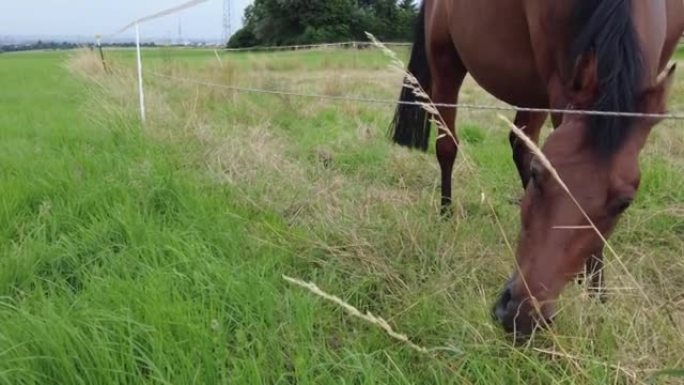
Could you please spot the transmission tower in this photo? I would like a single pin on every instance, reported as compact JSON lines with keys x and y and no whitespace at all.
{"x":180,"y":31}
{"x":227,"y":27}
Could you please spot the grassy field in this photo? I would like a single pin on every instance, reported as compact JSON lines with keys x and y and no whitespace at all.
{"x":154,"y":254}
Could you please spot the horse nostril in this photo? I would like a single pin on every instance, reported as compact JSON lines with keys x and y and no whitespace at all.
{"x":501,"y":307}
{"x":506,"y":296}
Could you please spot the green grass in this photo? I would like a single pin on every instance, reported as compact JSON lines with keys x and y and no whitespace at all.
{"x":154,"y":255}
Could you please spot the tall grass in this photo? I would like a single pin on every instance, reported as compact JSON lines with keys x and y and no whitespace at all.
{"x":155,"y":254}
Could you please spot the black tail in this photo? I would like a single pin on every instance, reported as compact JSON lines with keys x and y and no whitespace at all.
{"x":411,"y":126}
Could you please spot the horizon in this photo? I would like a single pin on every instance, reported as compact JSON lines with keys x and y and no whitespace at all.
{"x":81,"y":20}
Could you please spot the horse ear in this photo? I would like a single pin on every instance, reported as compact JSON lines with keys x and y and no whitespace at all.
{"x":585,"y":84}
{"x":654,"y":99}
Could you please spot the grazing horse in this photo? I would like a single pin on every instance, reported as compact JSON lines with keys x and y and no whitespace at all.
{"x":602,"y":55}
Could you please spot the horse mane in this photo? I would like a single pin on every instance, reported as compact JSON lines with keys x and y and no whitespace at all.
{"x":604,"y":28}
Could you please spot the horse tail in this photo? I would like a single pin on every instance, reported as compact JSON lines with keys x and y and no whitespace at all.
{"x":411,"y":126}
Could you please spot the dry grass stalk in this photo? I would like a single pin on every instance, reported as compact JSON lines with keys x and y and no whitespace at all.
{"x":413,"y":84}
{"x":368,"y":316}
{"x":218,"y":57}
{"x":632,"y":374}
{"x":86,"y":63}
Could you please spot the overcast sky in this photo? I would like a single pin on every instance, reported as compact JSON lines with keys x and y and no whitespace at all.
{"x":86,"y":18}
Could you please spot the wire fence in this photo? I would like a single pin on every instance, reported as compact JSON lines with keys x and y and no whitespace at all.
{"x":343,"y":98}
{"x":158,"y":15}
{"x":394,"y":102}
{"x":345,"y":44}
{"x":136,"y":23}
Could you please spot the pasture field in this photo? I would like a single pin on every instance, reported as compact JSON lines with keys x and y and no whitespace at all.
{"x":154,"y":254}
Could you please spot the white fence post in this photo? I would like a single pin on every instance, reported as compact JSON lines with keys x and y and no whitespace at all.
{"x":140,"y":78}
{"x":136,"y":24}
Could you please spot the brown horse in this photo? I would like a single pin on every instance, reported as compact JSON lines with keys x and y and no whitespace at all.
{"x":603,"y":55}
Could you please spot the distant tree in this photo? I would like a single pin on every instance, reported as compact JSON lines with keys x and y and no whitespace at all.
{"x":408,"y":5}
{"x":284,"y":22}
{"x":38,"y":45}
{"x":243,"y":38}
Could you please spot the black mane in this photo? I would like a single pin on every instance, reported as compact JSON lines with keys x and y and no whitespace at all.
{"x":605,"y":29}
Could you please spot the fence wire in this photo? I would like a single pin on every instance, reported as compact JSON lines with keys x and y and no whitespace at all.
{"x":158,"y":15}
{"x":378,"y":101}
{"x":344,"y":44}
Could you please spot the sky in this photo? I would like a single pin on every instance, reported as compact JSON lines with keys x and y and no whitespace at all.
{"x":87,"y":18}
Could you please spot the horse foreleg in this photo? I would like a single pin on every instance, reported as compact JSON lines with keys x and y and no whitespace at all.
{"x":447,"y":149}
{"x":531,"y":123}
{"x":448,"y":74}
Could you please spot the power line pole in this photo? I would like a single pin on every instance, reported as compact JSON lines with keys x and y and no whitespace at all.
{"x":180,"y":32}
{"x":227,"y":26}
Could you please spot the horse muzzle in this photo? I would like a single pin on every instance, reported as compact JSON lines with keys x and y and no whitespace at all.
{"x":516,"y":315}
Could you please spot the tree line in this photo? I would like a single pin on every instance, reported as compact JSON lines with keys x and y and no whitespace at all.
{"x":293,"y":22}
{"x":55,"y":45}
{"x":37,"y":45}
